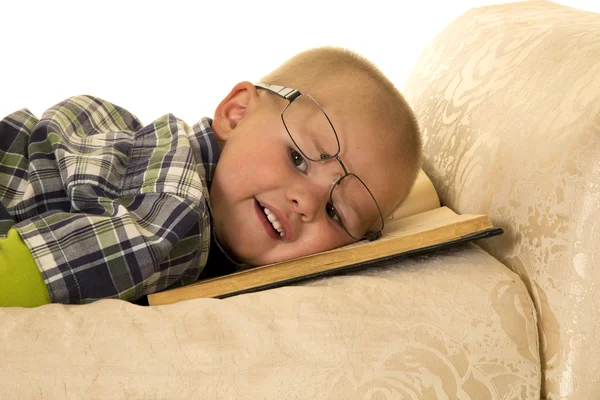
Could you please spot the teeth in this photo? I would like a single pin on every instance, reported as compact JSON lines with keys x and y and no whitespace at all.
{"x":273,"y":220}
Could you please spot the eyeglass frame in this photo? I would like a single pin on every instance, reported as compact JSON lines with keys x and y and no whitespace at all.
{"x":293,"y":94}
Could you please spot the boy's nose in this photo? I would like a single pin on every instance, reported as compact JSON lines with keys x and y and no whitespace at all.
{"x":308,"y":198}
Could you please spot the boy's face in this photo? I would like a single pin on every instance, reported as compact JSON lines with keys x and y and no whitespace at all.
{"x":259,"y":168}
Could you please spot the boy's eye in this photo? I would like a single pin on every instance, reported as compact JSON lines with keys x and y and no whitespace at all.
{"x":332,"y":213}
{"x":298,"y":161}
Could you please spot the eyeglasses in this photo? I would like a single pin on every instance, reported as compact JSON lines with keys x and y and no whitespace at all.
{"x":314,"y":136}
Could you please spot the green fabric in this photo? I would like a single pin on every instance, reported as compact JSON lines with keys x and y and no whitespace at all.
{"x":21,"y":283}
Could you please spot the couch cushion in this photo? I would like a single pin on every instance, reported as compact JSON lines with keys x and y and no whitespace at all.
{"x":509,"y":100}
{"x":455,"y":325}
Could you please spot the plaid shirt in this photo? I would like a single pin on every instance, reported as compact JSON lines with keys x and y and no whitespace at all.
{"x":108,"y":208}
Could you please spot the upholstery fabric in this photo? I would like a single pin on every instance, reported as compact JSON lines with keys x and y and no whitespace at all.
{"x":509,"y":101}
{"x":455,"y":325}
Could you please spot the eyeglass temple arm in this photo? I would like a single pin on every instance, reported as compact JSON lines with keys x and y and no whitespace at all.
{"x":282,"y":91}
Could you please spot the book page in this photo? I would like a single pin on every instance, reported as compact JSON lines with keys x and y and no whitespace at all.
{"x":421,"y":198}
{"x":422,"y":222}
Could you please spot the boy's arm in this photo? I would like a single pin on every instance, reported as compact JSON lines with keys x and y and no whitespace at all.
{"x":148,"y":244}
{"x":108,"y":208}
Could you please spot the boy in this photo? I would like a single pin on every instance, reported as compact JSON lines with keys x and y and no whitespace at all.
{"x":93,"y":205}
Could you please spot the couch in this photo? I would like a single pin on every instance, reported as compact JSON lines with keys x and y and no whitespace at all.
{"x":508,"y":97}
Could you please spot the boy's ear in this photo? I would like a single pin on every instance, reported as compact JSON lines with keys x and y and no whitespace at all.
{"x":232,"y":109}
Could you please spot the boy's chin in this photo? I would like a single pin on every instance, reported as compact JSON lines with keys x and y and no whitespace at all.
{"x":250,"y":259}
{"x":254,"y":260}
{"x":245,"y":252}
{"x":237,"y":254}
{"x":249,"y":254}
{"x":266,"y":258}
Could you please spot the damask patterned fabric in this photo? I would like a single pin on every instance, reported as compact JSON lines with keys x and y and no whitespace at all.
{"x":457,"y":325}
{"x":509,"y":101}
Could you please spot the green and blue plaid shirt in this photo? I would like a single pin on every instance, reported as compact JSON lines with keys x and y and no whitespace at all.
{"x":109,"y":208}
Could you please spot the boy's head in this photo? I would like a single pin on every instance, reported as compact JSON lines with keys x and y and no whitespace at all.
{"x":289,"y":161}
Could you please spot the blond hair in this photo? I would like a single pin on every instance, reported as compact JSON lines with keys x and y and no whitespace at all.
{"x":312,"y":70}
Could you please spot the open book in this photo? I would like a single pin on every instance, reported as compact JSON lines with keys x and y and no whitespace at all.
{"x":419,"y":225}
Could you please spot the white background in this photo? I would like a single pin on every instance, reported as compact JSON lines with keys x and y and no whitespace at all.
{"x":183,"y":57}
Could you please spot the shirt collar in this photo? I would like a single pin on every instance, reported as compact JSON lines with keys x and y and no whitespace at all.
{"x":206,"y":148}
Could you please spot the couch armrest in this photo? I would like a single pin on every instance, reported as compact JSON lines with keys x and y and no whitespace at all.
{"x":509,"y":101}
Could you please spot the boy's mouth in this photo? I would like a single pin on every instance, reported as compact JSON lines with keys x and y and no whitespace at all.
{"x":272,"y":225}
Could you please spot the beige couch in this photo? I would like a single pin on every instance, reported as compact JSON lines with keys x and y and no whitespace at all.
{"x":509,"y":100}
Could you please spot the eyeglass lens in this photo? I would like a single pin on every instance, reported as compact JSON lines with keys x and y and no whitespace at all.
{"x":314,"y":136}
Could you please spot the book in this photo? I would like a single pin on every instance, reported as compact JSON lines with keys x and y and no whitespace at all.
{"x":419,"y":225}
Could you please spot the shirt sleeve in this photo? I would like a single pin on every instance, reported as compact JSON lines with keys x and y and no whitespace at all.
{"x":125,"y":209}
